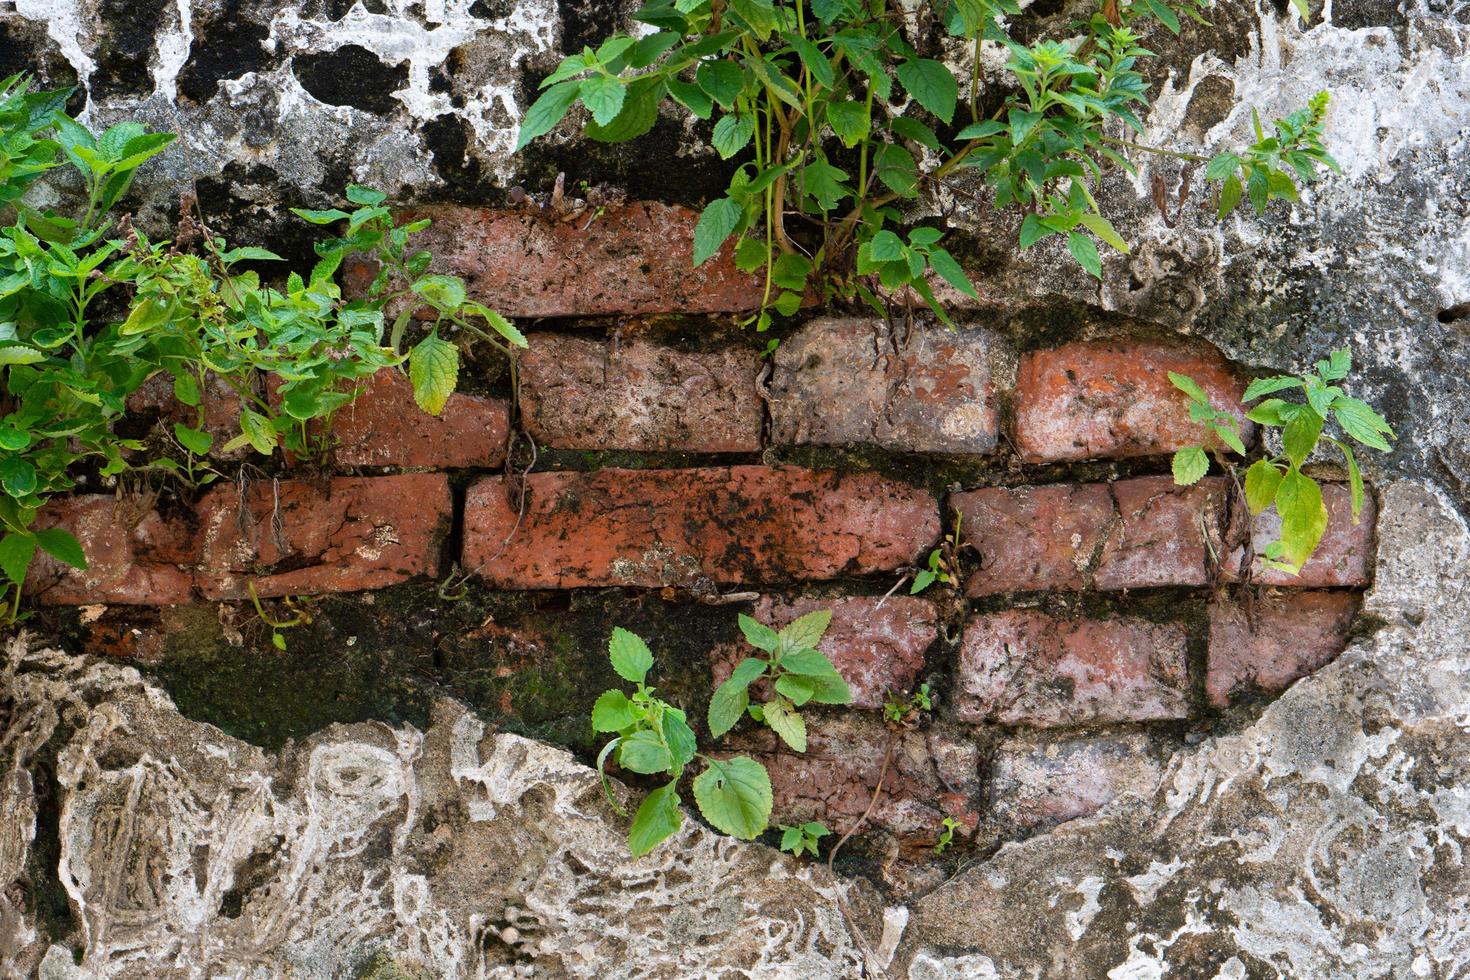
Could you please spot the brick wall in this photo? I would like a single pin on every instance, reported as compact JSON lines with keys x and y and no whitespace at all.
{"x":1097,"y":623}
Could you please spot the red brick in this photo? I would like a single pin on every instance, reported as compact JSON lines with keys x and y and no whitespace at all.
{"x":854,"y":381}
{"x":1041,"y":784}
{"x":1165,"y":534}
{"x":1344,"y":557}
{"x":930,"y":777}
{"x":1279,"y":637}
{"x":591,"y":394}
{"x":384,"y":426}
{"x":221,"y":407}
{"x":1032,"y":538}
{"x":876,"y":648}
{"x":728,"y":525}
{"x":1025,"y":667}
{"x":1113,"y":398}
{"x":133,"y":554}
{"x":348,"y":534}
{"x":631,"y":259}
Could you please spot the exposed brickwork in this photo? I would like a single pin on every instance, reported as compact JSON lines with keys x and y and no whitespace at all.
{"x":1345,"y":556}
{"x":1032,"y":538}
{"x":631,"y":259}
{"x":590,"y":394}
{"x":134,"y":555}
{"x":1037,"y":784}
{"x":931,"y":776}
{"x":385,"y":427}
{"x":727,"y":525}
{"x":1265,"y":644}
{"x":1165,"y":534}
{"x":878,"y":646}
{"x":1025,"y":667}
{"x":305,"y":536}
{"x":220,"y":403}
{"x":1113,"y":398}
{"x":855,"y":381}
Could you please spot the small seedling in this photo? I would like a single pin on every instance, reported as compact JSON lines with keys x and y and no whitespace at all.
{"x":944,"y":566}
{"x":946,"y":835}
{"x":803,"y":838}
{"x":299,"y":605}
{"x":1278,"y":479}
{"x":898,"y":709}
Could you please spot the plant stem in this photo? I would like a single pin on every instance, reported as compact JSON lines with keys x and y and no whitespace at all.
{"x":1191,"y":157}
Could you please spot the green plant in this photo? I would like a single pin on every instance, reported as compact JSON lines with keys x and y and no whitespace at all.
{"x":946,"y":835}
{"x":654,"y":738}
{"x":807,"y":94}
{"x":1277,"y":479}
{"x":898,"y":709}
{"x":803,"y":838}
{"x":943,"y":564}
{"x":796,"y":672}
{"x":1257,"y":173}
{"x":299,"y":606}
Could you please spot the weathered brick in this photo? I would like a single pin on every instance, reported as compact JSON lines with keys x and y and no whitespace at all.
{"x":728,"y":525}
{"x":305,"y":536}
{"x":591,"y":394}
{"x":1044,"y":783}
{"x":1032,"y":538}
{"x":1264,"y":645}
{"x":1165,"y":534}
{"x":876,"y":645}
{"x":1113,"y":398}
{"x":631,"y":259}
{"x":134,"y":555}
{"x":384,"y":426}
{"x":1344,"y":557}
{"x":930,"y":776}
{"x":220,"y":402}
{"x":1023,"y":666}
{"x":855,"y":381}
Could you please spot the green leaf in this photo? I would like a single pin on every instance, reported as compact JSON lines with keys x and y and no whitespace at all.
{"x":731,"y":698}
{"x":644,"y":752}
{"x":365,"y":196}
{"x":1190,"y":387}
{"x":16,"y":552}
{"x":829,"y":688}
{"x":1299,"y":437}
{"x":679,"y":737}
{"x":14,"y":439}
{"x":806,"y":631}
{"x":757,"y":634}
{"x":812,"y":58}
{"x":758,"y":14}
{"x":1272,"y":411}
{"x":1222,"y":165}
{"x":252,"y":253}
{"x":1303,"y":516}
{"x":444,"y":293}
{"x":1085,"y":253}
{"x":546,"y":112}
{"x":1226,"y":433}
{"x":1360,"y":422}
{"x":799,"y":689}
{"x":1355,"y":477}
{"x":1032,"y":231}
{"x":145,"y":316}
{"x":980,"y":130}
{"x":886,"y":247}
{"x":194,"y":440}
{"x":823,"y":182}
{"x":897,"y":169}
{"x":62,"y":546}
{"x":186,"y":389}
{"x":630,"y":656}
{"x":735,"y":796}
{"x":1103,"y":229}
{"x":1166,"y":16}
{"x":786,"y":722}
{"x":950,"y":271}
{"x":1258,"y":189}
{"x":320,"y":217}
{"x":850,"y":121}
{"x":258,"y":431}
{"x":657,"y":819}
{"x":1230,"y":195}
{"x":1267,"y":386}
{"x":721,"y":81}
{"x":19,"y":354}
{"x":612,"y":713}
{"x":1190,"y":465}
{"x":1262,"y":480}
{"x":17,"y":476}
{"x":433,"y":368}
{"x":731,"y":134}
{"x":716,"y":223}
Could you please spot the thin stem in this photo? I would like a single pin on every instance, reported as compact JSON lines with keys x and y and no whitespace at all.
{"x":1192,"y":157}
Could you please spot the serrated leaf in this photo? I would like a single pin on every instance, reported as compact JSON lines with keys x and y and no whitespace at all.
{"x":1190,"y":465}
{"x":258,"y":431}
{"x":732,"y":697}
{"x":546,"y":112}
{"x":1360,"y":422}
{"x":1227,"y":434}
{"x":1303,"y":517}
{"x":186,"y":389}
{"x":721,"y":80}
{"x":612,"y":712}
{"x":799,"y":689}
{"x":16,"y":552}
{"x":734,"y":795}
{"x":731,"y":134}
{"x":1190,"y":387}
{"x":679,"y":737}
{"x":716,"y":223}
{"x":786,"y":722}
{"x":145,"y":316}
{"x":830,"y":688}
{"x":850,"y":121}
{"x":629,"y":655}
{"x":320,"y":217}
{"x":500,"y":325}
{"x":1267,"y":386}
{"x":1230,"y":194}
{"x":19,"y":354}
{"x":657,"y":819}
{"x":17,"y":476}
{"x":1085,"y":253}
{"x":194,"y":440}
{"x":444,"y":293}
{"x":1222,"y":165}
{"x":1103,"y":229}
{"x":644,"y":752}
{"x":1270,"y":412}
{"x":1355,"y":478}
{"x":950,"y":271}
{"x":757,"y":634}
{"x":433,"y":368}
{"x":806,"y":631}
{"x":1262,"y":480}
{"x":1300,"y":435}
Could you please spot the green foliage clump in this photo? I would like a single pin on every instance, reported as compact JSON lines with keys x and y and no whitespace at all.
{"x":841,"y":120}
{"x":1277,"y":479}
{"x":295,"y":353}
{"x":654,"y":738}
